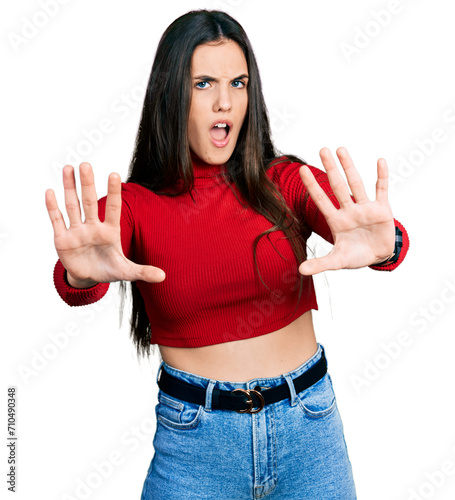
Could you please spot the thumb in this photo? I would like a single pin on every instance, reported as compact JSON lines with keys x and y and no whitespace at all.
{"x":318,"y":265}
{"x":149,"y":274}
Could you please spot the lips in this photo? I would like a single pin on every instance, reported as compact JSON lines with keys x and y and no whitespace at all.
{"x":220,"y":133}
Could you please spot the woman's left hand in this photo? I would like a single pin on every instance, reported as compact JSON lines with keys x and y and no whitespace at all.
{"x":363,"y":231}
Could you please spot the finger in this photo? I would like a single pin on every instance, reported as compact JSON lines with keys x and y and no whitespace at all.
{"x":382,"y":184}
{"x":337,"y":183}
{"x":150,"y":274}
{"x":54,"y":213}
{"x":73,"y":208}
{"x":113,"y":200}
{"x":352,"y":175}
{"x":317,"y":194}
{"x":320,"y":264}
{"x":88,"y":193}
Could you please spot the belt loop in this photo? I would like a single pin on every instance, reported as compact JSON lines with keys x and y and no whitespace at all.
{"x":158,"y":373}
{"x":208,"y":395}
{"x":323,"y":354}
{"x":291,"y":389}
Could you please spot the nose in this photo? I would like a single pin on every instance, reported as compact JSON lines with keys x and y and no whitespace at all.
{"x":223,"y":101}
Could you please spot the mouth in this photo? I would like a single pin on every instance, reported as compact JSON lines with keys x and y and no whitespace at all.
{"x":220,"y":133}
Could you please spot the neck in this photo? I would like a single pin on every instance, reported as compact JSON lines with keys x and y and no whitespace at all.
{"x":203,"y":169}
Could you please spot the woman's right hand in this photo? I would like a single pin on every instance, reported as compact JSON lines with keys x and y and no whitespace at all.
{"x":91,"y":251}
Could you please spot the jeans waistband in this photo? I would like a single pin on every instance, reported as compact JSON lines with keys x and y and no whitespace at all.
{"x":250,"y":384}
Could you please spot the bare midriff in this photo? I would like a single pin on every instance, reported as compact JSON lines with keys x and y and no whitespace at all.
{"x":268,"y":355}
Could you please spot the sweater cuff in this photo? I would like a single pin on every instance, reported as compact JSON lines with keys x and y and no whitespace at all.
{"x":76,"y":296}
{"x":390,"y":266}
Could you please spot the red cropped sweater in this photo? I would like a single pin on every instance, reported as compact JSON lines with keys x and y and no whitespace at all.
{"x":212,"y":292}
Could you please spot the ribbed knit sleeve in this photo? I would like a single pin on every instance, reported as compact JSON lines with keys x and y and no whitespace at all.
{"x":76,"y":296}
{"x":287,"y":177}
{"x":83,"y":296}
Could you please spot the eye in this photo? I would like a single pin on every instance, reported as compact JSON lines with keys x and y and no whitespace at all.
{"x":238,"y":84}
{"x":202,"y":85}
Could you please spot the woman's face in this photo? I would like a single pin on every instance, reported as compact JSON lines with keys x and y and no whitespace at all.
{"x":219,"y":100}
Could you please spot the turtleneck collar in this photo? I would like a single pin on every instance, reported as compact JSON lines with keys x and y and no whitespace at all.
{"x":201,"y":169}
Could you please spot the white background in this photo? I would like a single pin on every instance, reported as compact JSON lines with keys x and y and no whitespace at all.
{"x":83,"y":398}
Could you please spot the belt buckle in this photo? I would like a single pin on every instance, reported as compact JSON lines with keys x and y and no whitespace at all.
{"x":248,"y":392}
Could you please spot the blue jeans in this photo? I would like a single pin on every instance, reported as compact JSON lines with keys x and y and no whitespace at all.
{"x":293,"y":449}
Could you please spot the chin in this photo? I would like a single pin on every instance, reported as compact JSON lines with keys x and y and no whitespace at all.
{"x":217,"y":157}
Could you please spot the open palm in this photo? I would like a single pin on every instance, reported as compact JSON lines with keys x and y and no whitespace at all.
{"x":91,"y":250}
{"x":363,"y":231}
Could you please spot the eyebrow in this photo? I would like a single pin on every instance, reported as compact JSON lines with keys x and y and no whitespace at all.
{"x":212,"y":79}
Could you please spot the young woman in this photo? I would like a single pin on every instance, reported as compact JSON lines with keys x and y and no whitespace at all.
{"x":210,"y":229}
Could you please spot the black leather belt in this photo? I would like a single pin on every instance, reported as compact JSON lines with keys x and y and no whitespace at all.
{"x":240,"y":400}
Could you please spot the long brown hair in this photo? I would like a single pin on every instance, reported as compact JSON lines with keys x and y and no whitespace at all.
{"x":161,"y":159}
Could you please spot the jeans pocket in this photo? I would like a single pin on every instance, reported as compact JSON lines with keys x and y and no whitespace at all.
{"x":319,"y":399}
{"x":177,"y":414}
